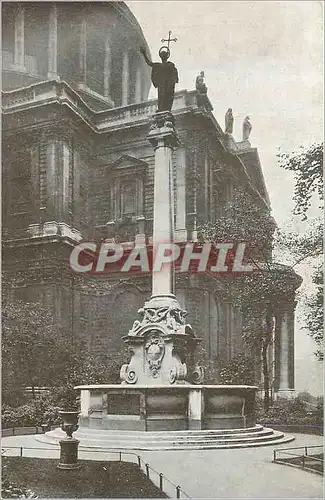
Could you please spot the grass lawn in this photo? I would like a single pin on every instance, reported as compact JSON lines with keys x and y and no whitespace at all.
{"x":309,"y":462}
{"x":122,"y":479}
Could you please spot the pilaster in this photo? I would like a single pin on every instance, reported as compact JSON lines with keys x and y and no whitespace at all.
{"x":125,"y":79}
{"x":53,"y":43}
{"x":107,"y":68}
{"x":83,"y":52}
{"x":138,"y":85}
{"x":19,"y":55}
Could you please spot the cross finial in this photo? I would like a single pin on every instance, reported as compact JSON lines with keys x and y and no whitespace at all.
{"x":168,"y":40}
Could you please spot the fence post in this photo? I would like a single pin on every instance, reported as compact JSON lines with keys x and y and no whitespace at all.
{"x":178,"y":492}
{"x":161,"y":480}
{"x":13,"y":431}
{"x":120,"y":456}
{"x":303,"y":461}
{"x":147,"y":470}
{"x":274,"y":455}
{"x":21,"y":451}
{"x":306,"y":450}
{"x":139,"y":461}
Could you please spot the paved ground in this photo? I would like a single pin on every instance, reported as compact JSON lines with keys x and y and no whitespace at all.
{"x":232,"y":473}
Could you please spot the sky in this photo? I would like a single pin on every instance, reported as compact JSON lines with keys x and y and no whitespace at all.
{"x":262,"y":59}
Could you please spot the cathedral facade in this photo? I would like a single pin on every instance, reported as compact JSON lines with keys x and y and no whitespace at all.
{"x":77,"y":165}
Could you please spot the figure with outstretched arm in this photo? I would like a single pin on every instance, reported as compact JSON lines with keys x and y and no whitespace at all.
{"x":164,"y":76}
{"x":146,"y":58}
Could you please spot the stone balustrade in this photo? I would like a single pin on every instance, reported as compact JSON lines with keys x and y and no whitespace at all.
{"x":56,"y":91}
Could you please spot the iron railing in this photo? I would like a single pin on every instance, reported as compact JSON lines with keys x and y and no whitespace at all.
{"x":302,"y":453}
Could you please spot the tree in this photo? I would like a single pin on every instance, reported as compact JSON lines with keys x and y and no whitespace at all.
{"x":258,"y":294}
{"x":307,"y":165}
{"x":29,"y":346}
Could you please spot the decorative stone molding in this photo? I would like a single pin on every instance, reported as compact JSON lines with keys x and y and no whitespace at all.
{"x":154,"y":351}
{"x":53,"y":229}
{"x":162,"y":130}
{"x":163,"y":310}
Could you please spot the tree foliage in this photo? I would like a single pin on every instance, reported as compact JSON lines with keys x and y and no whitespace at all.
{"x":38,"y":353}
{"x":257,"y":294}
{"x":240,"y":370}
{"x":314,"y":311}
{"x":307,"y":166}
{"x":243,"y":220}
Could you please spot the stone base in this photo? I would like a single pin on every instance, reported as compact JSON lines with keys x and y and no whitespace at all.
{"x":172,"y":440}
{"x":285,"y":394}
{"x":166,"y":408}
{"x":69,"y":454}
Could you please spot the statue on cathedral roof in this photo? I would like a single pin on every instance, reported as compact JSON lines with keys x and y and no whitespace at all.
{"x":229,"y":122}
{"x":200,"y":85}
{"x":247,"y":127}
{"x":164,"y":76}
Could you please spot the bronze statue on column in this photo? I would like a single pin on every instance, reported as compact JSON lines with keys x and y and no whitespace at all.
{"x":164,"y":76}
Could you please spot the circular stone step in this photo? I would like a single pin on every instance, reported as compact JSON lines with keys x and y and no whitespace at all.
{"x":172,"y":440}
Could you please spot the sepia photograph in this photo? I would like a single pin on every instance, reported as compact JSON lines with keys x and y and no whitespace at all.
{"x":162,"y":249}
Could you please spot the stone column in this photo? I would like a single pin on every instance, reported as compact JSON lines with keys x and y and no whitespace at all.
{"x":163,"y":140}
{"x":161,"y":340}
{"x":125,"y":79}
{"x":53,"y":43}
{"x":285,"y":352}
{"x":19,"y":55}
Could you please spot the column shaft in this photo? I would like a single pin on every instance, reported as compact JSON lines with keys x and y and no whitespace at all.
{"x":163,"y":225}
{"x":181,"y":231}
{"x":285,"y":355}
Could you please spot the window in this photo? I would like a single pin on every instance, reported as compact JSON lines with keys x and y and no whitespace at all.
{"x":128,"y":198}
{"x":126,"y":193}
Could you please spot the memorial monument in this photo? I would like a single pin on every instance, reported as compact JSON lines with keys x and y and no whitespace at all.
{"x":161,"y":383}
{"x":162,"y":393}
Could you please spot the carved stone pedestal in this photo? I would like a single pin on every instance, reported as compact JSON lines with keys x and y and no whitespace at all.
{"x":69,"y":454}
{"x":161,"y":343}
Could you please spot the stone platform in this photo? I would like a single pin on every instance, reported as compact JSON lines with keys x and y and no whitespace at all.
{"x":174,"y":440}
{"x":162,"y":417}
